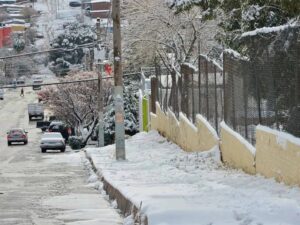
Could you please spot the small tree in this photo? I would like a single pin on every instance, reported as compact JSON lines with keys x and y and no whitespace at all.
{"x":28,"y":13}
{"x":18,"y":43}
{"x":75,"y":34}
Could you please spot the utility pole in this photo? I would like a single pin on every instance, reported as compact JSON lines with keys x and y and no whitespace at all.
{"x":118,"y":75}
{"x":100,"y":92}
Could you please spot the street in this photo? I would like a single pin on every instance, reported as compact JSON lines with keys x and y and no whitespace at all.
{"x":49,"y":188}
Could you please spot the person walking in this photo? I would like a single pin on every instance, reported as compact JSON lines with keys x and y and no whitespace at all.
{"x":22,"y":92}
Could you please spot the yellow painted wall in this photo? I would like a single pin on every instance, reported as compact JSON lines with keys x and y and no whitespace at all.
{"x":188,"y":136}
{"x":278,"y":155}
{"x":207,"y":136}
{"x":16,"y":28}
{"x":236,"y":152}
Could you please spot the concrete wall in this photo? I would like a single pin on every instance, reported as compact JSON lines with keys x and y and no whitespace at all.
{"x":189,"y":137}
{"x":236,"y":151}
{"x":278,"y":155}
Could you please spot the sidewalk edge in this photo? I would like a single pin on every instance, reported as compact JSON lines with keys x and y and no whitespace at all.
{"x":125,"y":205}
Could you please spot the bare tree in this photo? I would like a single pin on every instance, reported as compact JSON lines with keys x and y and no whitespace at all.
{"x":153,"y":29}
{"x":76,"y":103}
{"x":28,"y":13}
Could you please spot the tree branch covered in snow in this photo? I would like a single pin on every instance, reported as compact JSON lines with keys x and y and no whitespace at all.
{"x":154,"y":29}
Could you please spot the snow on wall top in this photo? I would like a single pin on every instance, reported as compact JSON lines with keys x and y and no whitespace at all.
{"x":94,"y":1}
{"x":281,"y":136}
{"x":235,"y":54}
{"x":265,"y":30}
{"x":190,"y":66}
{"x":213,"y":62}
{"x":207,"y":124}
{"x":187,"y":121}
{"x":248,"y":146}
{"x":182,"y":2}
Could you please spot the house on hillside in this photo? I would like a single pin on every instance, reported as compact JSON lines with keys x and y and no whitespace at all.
{"x":98,"y":8}
{"x":2,"y":2}
{"x":5,"y":36}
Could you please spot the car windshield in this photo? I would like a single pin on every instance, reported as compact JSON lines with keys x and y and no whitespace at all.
{"x":52,"y":135}
{"x":16,"y":131}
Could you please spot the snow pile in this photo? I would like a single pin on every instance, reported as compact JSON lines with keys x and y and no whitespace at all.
{"x":178,"y":188}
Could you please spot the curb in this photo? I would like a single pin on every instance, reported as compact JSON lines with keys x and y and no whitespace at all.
{"x":125,"y":205}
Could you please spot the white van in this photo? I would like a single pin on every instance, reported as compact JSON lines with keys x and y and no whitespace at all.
{"x":37,"y":80}
{"x":1,"y":94}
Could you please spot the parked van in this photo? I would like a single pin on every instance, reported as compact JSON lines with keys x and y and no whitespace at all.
{"x":37,"y":80}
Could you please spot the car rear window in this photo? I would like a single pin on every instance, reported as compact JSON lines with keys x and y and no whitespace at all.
{"x":52,"y":135}
{"x":16,"y":132}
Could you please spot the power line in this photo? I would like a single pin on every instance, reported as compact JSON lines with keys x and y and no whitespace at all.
{"x":50,"y":50}
{"x":65,"y":82}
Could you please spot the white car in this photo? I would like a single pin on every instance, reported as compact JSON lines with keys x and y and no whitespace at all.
{"x":52,"y":141}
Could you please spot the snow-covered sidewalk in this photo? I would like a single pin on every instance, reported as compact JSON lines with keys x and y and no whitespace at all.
{"x":179,"y":188}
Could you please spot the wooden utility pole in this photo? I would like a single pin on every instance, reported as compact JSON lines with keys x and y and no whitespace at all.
{"x":118,"y":75}
{"x":100,"y":93}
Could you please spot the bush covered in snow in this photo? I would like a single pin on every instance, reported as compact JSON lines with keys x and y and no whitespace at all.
{"x":75,"y":142}
{"x":18,"y":44}
{"x":130,"y":110}
{"x":75,"y":34}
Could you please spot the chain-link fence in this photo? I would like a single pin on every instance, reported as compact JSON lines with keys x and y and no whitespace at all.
{"x":262,"y":89}
{"x":195,"y":91}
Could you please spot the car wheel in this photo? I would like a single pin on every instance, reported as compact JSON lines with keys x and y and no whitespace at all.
{"x":25,"y":142}
{"x":63,"y":150}
{"x":30,"y":118}
{"x":43,"y":150}
{"x":8,"y":143}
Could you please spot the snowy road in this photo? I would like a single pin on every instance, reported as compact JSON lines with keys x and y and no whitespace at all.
{"x":41,"y":189}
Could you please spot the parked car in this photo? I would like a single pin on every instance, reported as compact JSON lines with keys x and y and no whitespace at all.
{"x":17,"y":135}
{"x":59,"y":126}
{"x":75,"y":3}
{"x":1,"y":94}
{"x":43,"y":125}
{"x":39,"y":35}
{"x":20,"y":80}
{"x":52,"y":141}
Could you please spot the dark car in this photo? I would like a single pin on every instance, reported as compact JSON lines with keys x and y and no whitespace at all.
{"x":59,"y":126}
{"x":74,"y":3}
{"x":43,"y":125}
{"x":17,"y":135}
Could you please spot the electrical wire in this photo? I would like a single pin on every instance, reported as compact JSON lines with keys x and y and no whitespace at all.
{"x":67,"y":82}
{"x":50,"y":50}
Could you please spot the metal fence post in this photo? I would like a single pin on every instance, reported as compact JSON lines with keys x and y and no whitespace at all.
{"x":193,"y":99}
{"x":224,"y":88}
{"x":245,"y":96}
{"x":216,"y":100}
{"x":154,"y":90}
{"x":199,"y":84}
{"x":207,"y":94}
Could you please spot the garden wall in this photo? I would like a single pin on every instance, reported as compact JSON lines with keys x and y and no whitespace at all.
{"x":236,"y":151}
{"x":190,"y":137}
{"x":278,"y":155}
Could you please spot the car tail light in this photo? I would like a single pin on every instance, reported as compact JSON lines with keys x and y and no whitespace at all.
{"x":8,"y":136}
{"x":23,"y":136}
